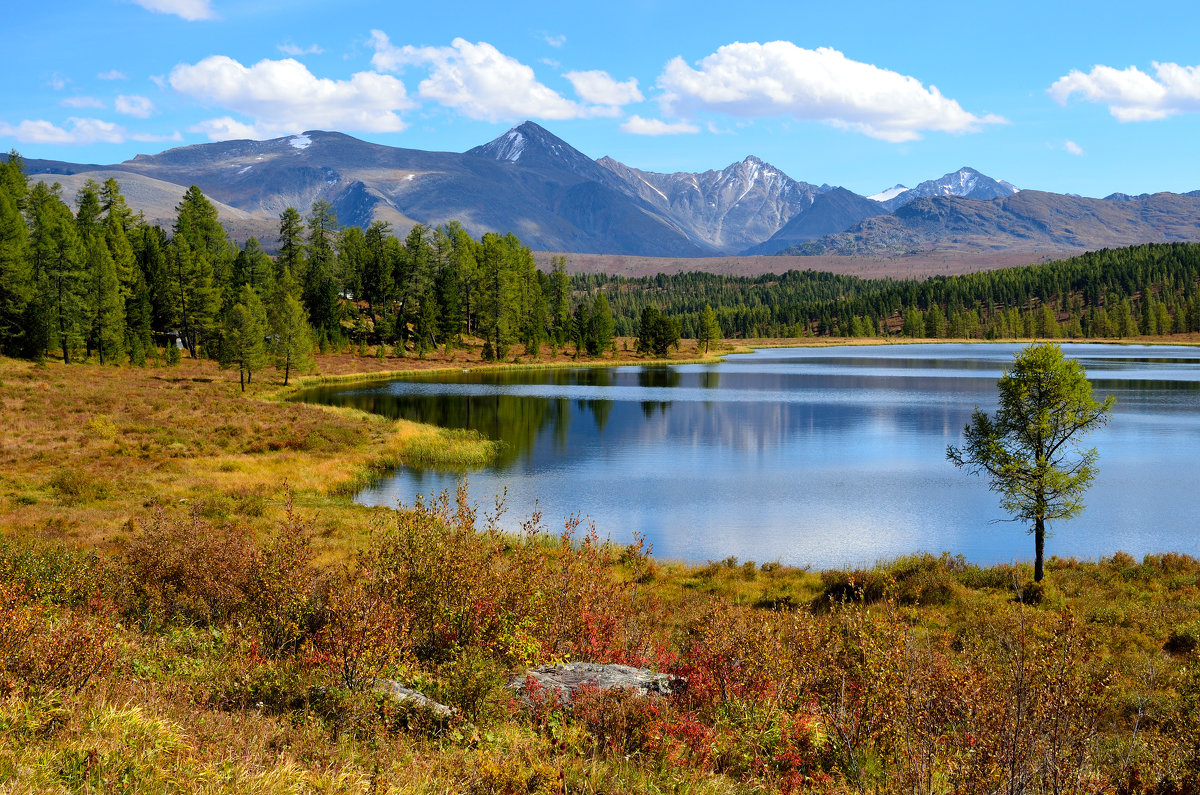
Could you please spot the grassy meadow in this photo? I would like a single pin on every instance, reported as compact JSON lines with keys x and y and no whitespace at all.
{"x":190,"y":602}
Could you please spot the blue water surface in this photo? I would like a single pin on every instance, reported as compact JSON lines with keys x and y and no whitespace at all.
{"x":809,"y":456}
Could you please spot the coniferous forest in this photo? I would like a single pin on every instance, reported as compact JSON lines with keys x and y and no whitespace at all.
{"x":101,"y":282}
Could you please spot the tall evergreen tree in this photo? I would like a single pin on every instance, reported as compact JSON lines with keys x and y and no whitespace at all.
{"x":194,"y":301}
{"x":291,"y":244}
{"x":244,"y":336}
{"x":602,"y":326}
{"x":292,"y":339}
{"x":104,"y":304}
{"x":320,"y":289}
{"x":16,"y":279}
{"x":376,"y":278}
{"x":58,"y":260}
{"x":710,"y":330}
{"x":254,"y":267}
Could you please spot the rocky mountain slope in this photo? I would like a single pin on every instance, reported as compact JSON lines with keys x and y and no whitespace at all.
{"x":831,"y":212}
{"x":966,"y":183}
{"x":732,"y":209}
{"x":530,"y":182}
{"x":551,"y":196}
{"x":1031,"y":221}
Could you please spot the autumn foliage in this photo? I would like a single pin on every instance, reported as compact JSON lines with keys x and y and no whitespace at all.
{"x":929,"y":675}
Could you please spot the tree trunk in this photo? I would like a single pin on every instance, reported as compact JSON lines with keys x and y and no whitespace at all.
{"x":1039,"y":544}
{"x":242,"y":378}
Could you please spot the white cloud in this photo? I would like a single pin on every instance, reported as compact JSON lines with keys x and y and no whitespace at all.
{"x":81,"y":102}
{"x":151,"y":138}
{"x":778,"y":78}
{"x":78,"y":131}
{"x":227,"y":128}
{"x":1133,"y":95}
{"x":289,"y":48}
{"x":191,"y":10}
{"x":111,"y":74}
{"x":283,"y":97}
{"x":639,"y":126}
{"x":133,"y":105}
{"x":58,"y":82}
{"x":600,"y":88}
{"x":1072,"y":148}
{"x":554,"y":39}
{"x":478,"y":80}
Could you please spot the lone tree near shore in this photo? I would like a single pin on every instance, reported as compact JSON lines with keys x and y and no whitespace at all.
{"x":1030,"y":449}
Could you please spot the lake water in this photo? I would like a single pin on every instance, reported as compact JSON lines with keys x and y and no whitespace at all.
{"x":809,"y":456}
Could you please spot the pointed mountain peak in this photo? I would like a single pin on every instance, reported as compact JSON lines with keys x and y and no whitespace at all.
{"x":528,"y":142}
{"x":966,"y":183}
{"x":890,"y":193}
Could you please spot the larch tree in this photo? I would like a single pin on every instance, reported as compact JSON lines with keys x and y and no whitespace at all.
{"x":105,"y":306}
{"x":58,"y":260}
{"x":710,"y":330}
{"x":320,"y":288}
{"x":16,"y":288}
{"x":291,"y":244}
{"x":291,"y":337}
{"x":243,"y":343}
{"x":1029,"y":449}
{"x":602,"y":325}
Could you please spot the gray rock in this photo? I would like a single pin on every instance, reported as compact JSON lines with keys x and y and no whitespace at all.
{"x":566,"y":679}
{"x":406,"y":695}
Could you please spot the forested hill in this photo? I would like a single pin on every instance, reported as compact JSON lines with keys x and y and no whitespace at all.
{"x":1147,"y":289}
{"x":102,"y":282}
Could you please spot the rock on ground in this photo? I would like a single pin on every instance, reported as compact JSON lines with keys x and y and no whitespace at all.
{"x":568,"y":678}
{"x":407,"y":695}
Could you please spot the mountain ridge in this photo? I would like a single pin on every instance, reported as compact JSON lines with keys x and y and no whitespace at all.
{"x":535,"y":184}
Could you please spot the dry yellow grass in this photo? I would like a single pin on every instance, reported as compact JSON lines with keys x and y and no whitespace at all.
{"x":85,"y":448}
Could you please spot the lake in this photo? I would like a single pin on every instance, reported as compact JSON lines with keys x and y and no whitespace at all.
{"x":826,"y":457}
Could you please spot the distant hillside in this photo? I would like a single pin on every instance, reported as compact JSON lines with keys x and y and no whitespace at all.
{"x":831,"y":212}
{"x":555,"y":198}
{"x":1030,"y":221}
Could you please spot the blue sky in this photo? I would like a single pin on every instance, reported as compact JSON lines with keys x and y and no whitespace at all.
{"x":1070,"y":97}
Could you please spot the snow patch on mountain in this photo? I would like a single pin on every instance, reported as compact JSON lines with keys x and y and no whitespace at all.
{"x":300,"y":141}
{"x":890,"y":193}
{"x":508,"y":146}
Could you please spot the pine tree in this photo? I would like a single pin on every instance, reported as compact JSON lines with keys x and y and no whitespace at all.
{"x":244,"y":334}
{"x":602,"y":326}
{"x":320,"y":290}
{"x":352,"y":256}
{"x":58,"y":261}
{"x":105,"y":307}
{"x":291,"y":244}
{"x":935,"y":322}
{"x":710,"y":330}
{"x":16,"y":280}
{"x":87,"y":216}
{"x":194,"y":302}
{"x":376,"y":277}
{"x":254,"y":267}
{"x":292,"y":348}
{"x":200,"y":268}
{"x":914,"y":325}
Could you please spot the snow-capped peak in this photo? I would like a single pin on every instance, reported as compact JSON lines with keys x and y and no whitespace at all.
{"x":300,"y":141}
{"x":509,"y":146}
{"x":890,"y":193}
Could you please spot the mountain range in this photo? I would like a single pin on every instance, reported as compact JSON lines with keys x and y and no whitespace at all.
{"x":555,"y":198}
